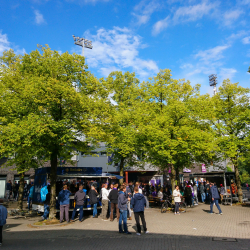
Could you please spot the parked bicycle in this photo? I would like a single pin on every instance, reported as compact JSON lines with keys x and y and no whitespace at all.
{"x":167,"y":205}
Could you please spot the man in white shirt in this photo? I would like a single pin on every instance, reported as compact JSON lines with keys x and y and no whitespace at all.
{"x":105,"y":201}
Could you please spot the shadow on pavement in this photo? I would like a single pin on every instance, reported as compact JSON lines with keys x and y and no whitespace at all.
{"x":102,"y":240}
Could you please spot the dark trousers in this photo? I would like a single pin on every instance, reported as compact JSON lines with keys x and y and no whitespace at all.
{"x":137,"y":219}
{"x":113,"y":207}
{"x":80,"y":211}
{"x":64,"y":208}
{"x":177,"y":205}
{"x":1,"y":234}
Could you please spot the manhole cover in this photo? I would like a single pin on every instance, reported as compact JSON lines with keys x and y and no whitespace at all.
{"x":225,"y":239}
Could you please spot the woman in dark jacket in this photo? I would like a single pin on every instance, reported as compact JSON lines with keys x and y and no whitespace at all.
{"x":93,"y":200}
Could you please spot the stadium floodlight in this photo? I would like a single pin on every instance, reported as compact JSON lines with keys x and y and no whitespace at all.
{"x":213,"y":82}
{"x":84,"y":43}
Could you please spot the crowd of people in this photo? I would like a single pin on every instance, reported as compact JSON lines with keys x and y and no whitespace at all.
{"x":12,"y":190}
{"x":119,"y":202}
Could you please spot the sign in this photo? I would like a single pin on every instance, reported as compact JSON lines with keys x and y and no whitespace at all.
{"x":186,"y":170}
{"x":203,"y":168}
{"x":71,"y":171}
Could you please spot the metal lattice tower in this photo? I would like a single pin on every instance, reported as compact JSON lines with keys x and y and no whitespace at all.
{"x":213,"y":82}
{"x":84,"y":43}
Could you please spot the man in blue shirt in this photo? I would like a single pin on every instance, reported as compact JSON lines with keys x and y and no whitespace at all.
{"x":3,"y":217}
{"x":64,"y":201}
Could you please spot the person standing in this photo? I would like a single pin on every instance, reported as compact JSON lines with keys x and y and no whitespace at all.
{"x":195,"y":194}
{"x":247,"y":187}
{"x":208,"y":198}
{"x":177,"y":199}
{"x":8,"y":190}
{"x":105,"y":202}
{"x":128,"y":194}
{"x":93,"y":200}
{"x":14,"y":188}
{"x":64,"y":201}
{"x":202,"y":192}
{"x":138,"y":203}
{"x":3,"y":217}
{"x":188,"y":194}
{"x":214,"y":198}
{"x":145,"y":192}
{"x":46,"y":204}
{"x":80,"y":197}
{"x":222,"y":192}
{"x":31,"y":194}
{"x":122,"y":205}
{"x":113,"y":197}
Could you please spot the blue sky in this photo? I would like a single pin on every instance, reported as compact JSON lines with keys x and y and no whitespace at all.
{"x":192,"y":38}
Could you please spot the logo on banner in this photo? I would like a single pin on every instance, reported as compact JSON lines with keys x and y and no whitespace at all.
{"x":203,"y":168}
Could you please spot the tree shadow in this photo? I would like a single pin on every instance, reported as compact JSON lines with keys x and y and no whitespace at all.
{"x":100,"y":239}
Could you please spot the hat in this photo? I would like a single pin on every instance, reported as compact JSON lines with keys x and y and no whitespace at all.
{"x":221,"y":185}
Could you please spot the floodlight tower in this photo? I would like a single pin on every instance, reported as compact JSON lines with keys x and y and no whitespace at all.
{"x":84,"y":43}
{"x":213,"y":82}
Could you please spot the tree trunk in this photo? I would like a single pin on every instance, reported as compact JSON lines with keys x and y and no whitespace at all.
{"x":53,"y":177}
{"x":20,"y":191}
{"x":238,"y":182}
{"x":178,"y":177}
{"x":121,"y":170}
{"x":172,"y":176}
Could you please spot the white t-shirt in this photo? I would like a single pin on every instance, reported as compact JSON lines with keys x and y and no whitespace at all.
{"x":105,"y":194}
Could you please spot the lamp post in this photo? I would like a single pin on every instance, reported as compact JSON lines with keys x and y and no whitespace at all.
{"x":213,"y":82}
{"x":84,"y":43}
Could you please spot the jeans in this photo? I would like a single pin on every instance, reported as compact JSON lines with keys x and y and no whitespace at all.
{"x":208,"y":198}
{"x":46,"y":211}
{"x":176,"y":208}
{"x":203,"y":197}
{"x":147,"y":202}
{"x":8,"y":194}
{"x":123,"y":217}
{"x":137,"y":219}
{"x":129,"y":209}
{"x":195,"y":198}
{"x":217,"y":205}
{"x":94,"y":209}
{"x":1,"y":234}
{"x":80,"y":211}
{"x":29,"y":202}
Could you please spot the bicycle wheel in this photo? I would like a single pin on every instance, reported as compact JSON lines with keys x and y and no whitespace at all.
{"x":182,"y":207}
{"x":164,"y":207}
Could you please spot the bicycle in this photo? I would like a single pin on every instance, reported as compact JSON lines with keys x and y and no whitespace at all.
{"x":167,"y":205}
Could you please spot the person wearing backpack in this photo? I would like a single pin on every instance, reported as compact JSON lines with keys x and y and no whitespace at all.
{"x":31,"y":194}
{"x":3,"y":217}
{"x":45,"y":197}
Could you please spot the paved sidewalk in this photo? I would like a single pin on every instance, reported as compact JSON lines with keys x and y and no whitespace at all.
{"x":195,"y":229}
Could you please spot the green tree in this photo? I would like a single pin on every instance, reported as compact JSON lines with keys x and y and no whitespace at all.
{"x":173,"y":134}
{"x":121,"y":135}
{"x":68,"y":100}
{"x":230,"y":119}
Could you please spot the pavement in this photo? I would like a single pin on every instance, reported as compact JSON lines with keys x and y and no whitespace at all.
{"x":195,"y":229}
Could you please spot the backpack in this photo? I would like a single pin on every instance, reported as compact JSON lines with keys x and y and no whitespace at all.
{"x":31,"y":192}
{"x":44,"y":192}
